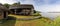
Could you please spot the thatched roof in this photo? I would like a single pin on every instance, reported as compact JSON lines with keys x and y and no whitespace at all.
{"x":22,"y":6}
{"x":3,"y":8}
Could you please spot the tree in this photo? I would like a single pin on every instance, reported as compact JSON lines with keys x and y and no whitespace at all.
{"x":18,"y":3}
{"x":6,"y":5}
{"x":36,"y":13}
{"x":14,"y":4}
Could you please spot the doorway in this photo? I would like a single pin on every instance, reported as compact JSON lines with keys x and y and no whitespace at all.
{"x":4,"y":14}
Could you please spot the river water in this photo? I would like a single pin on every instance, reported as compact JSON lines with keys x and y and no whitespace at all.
{"x":50,"y":15}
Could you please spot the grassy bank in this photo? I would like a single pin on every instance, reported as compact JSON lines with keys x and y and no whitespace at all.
{"x":38,"y":22}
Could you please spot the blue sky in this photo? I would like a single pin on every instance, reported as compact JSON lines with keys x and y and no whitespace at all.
{"x":39,"y":5}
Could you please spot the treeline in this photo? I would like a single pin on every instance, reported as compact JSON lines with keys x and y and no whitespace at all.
{"x":7,"y":5}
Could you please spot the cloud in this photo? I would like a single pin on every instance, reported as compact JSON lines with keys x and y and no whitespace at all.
{"x":7,"y":1}
{"x":28,"y":2}
{"x":49,"y":8}
{"x":39,"y":5}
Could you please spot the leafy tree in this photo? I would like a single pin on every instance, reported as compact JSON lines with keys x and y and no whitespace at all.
{"x":6,"y":5}
{"x":36,"y":13}
{"x":14,"y":4}
{"x":18,"y":3}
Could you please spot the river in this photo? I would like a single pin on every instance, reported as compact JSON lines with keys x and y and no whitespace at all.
{"x":50,"y":15}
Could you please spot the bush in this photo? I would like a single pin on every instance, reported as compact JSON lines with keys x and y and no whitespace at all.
{"x":36,"y":14}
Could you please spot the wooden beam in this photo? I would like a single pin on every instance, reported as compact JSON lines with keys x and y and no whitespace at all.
{"x":15,"y":11}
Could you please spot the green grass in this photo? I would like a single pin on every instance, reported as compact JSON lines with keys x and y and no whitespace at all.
{"x":38,"y":22}
{"x":57,"y":21}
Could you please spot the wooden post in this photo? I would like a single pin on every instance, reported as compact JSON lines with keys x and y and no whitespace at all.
{"x":25,"y":12}
{"x":15,"y":11}
{"x":32,"y":11}
{"x":1,"y":15}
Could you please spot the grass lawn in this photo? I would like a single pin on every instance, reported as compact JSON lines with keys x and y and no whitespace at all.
{"x":37,"y":22}
{"x":19,"y":16}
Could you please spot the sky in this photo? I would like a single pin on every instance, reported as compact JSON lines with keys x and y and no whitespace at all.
{"x":39,"y":5}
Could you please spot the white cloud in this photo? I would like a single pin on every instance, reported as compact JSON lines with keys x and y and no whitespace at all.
{"x":49,"y":8}
{"x":28,"y":2}
{"x":46,"y":7}
{"x":7,"y":1}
